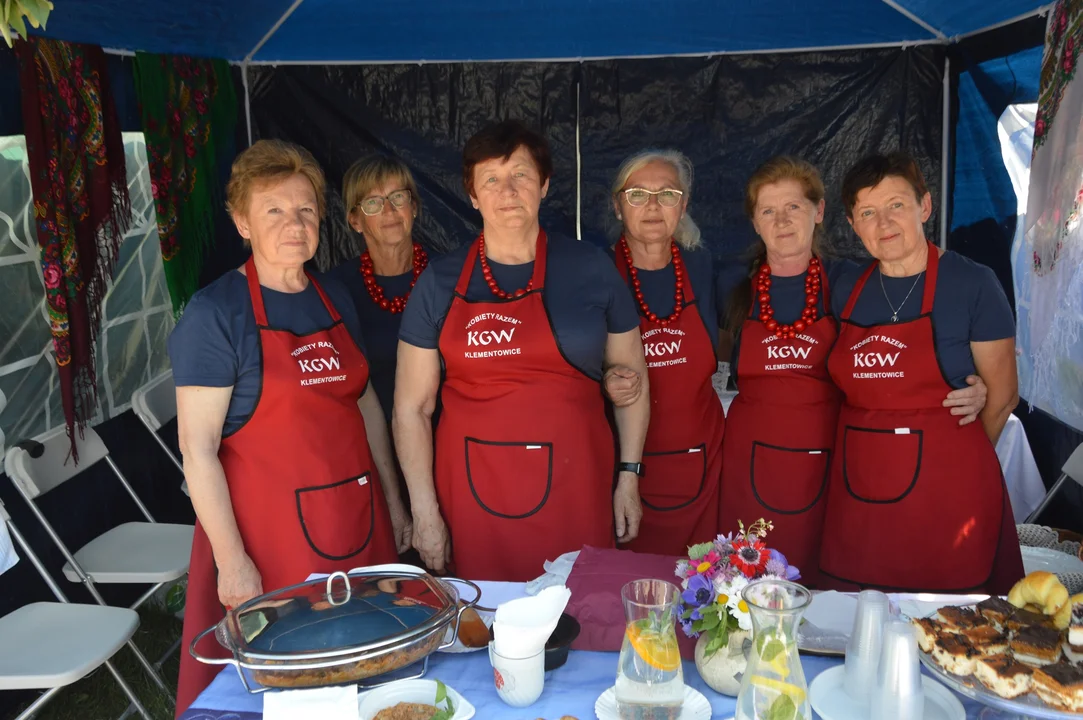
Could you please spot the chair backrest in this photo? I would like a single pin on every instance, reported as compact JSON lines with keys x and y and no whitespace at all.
{"x":156,"y":402}
{"x":55,"y":466}
{"x":1073,"y":466}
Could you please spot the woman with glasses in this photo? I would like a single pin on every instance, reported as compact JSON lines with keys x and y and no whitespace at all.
{"x":519,"y":325}
{"x":383,"y":203}
{"x":669,"y":276}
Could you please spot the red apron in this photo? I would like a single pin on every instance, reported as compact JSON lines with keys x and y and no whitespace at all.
{"x":302,"y":483}
{"x":524,"y":453}
{"x":682,"y":455}
{"x":780,"y":435}
{"x":915,"y":502}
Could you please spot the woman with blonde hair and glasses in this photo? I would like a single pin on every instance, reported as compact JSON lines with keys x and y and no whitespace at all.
{"x":382,"y":206}
{"x":669,"y":274}
{"x":779,"y":445}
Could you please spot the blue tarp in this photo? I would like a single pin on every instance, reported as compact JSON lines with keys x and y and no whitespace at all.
{"x":452,"y":30}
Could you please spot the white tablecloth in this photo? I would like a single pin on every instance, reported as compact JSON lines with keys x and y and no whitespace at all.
{"x":1025,"y":486}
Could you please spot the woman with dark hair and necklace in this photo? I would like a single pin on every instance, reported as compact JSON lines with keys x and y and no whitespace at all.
{"x":916,"y":502}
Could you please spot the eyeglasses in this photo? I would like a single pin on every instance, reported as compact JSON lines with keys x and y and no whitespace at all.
{"x":375,"y":205}
{"x":638,"y":197}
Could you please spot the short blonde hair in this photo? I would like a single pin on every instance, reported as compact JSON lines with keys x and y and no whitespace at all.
{"x":687,"y":233}
{"x":369,"y":173}
{"x":269,"y":162}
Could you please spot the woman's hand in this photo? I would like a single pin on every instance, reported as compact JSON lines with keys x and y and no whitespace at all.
{"x":622,"y":385}
{"x":431,"y":540}
{"x":627,"y":509}
{"x":402,"y":527}
{"x":238,"y":582}
{"x":968,"y":401}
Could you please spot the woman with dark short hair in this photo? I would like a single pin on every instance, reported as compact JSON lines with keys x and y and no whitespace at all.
{"x":520,"y":325}
{"x":916,"y":502}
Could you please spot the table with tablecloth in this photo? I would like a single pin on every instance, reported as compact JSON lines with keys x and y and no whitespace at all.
{"x":569,"y":690}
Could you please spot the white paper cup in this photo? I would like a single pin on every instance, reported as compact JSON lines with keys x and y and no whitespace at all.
{"x":519,"y":681}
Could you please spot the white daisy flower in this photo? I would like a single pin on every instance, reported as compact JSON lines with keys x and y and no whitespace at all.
{"x":736,"y":604}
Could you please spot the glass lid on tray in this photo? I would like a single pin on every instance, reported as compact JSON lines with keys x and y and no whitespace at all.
{"x":340,"y":614}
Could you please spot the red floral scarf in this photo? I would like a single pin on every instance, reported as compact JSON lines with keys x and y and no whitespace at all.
{"x":81,"y":203}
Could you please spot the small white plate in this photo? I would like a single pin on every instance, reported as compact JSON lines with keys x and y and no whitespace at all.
{"x":409,"y":691}
{"x":831,"y":702}
{"x":1053,"y":561}
{"x":695,"y":705}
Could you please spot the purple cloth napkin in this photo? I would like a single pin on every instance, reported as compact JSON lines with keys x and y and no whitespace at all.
{"x":596,"y":581}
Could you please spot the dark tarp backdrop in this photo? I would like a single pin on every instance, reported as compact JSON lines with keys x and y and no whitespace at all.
{"x":728,"y":113}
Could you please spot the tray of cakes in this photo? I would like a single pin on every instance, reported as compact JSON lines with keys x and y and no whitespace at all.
{"x":1023,"y":654}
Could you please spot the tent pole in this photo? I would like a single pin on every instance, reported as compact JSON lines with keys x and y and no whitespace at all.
{"x":945,"y":154}
{"x":274,"y":28}
{"x":247,"y":101}
{"x":578,"y":171}
{"x":894,"y":5}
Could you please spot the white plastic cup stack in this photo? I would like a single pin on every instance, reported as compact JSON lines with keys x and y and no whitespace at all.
{"x":898,"y":694}
{"x":863,"y":648}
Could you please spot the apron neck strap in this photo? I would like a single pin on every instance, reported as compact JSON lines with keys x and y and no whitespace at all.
{"x":932,"y":265}
{"x":825,"y":288}
{"x":537,"y":278}
{"x":255,"y":291}
{"x":622,"y":268}
{"x":858,"y":287}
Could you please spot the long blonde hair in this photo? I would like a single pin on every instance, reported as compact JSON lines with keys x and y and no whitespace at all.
{"x":687,"y":234}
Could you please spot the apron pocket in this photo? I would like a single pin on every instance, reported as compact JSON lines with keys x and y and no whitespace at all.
{"x":788,"y":481}
{"x":511,"y":480}
{"x":673,"y":479}
{"x":337,"y":519}
{"x":881,"y":466}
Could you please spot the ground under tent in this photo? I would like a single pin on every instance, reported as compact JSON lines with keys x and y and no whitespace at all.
{"x":730,"y":84}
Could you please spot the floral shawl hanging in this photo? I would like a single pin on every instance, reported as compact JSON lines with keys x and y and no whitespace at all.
{"x":81,"y":203}
{"x":189,"y":111}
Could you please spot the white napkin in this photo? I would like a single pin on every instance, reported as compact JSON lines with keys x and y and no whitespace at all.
{"x":522,"y":626}
{"x":556,"y":573}
{"x":329,"y":703}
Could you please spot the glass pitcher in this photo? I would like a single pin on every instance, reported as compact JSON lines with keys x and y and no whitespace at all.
{"x":650,"y":679}
{"x":773,"y":686}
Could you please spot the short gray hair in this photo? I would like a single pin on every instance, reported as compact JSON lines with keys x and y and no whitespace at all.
{"x":687,"y":233}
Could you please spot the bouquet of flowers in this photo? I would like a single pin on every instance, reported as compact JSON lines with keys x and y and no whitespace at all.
{"x":714,"y":575}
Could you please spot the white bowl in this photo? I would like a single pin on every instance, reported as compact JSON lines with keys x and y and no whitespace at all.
{"x":409,"y":691}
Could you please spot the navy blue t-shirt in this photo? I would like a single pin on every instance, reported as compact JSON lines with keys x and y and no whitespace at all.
{"x":658,"y":288}
{"x":787,"y":295}
{"x":380,"y":328}
{"x":216,"y":342}
{"x":970,"y":306}
{"x":584,"y":295}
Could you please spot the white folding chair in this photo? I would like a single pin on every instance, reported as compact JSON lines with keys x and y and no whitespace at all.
{"x":1073,"y":468}
{"x":156,"y":404}
{"x":135,"y":552}
{"x":48,"y":645}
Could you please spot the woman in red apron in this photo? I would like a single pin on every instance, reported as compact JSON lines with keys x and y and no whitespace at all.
{"x":524,"y":454}
{"x":296,"y":489}
{"x":657,"y":256}
{"x":781,"y":425}
{"x":916,"y":502}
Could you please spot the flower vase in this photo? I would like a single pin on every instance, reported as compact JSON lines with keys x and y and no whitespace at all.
{"x":723,"y":670}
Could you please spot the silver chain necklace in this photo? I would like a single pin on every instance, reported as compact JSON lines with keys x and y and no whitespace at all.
{"x":894,"y":312}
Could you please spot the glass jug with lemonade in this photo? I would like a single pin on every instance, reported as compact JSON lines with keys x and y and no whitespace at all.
{"x":650,"y":678}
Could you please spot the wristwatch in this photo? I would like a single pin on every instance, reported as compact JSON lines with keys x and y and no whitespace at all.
{"x":636,"y":468}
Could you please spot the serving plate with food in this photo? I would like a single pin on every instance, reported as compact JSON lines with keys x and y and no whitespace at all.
{"x":414,"y":700}
{"x":1023,"y":654}
{"x":369,"y":626}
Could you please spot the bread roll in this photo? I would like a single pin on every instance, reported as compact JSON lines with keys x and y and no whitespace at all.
{"x":1042,"y":589}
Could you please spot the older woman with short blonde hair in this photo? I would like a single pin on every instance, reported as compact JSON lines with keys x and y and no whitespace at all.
{"x":286,"y":451}
{"x":382,"y":205}
{"x":669,"y":276}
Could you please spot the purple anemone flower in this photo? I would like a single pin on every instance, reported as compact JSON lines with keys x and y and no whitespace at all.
{"x":778,"y":565}
{"x":700,"y":592}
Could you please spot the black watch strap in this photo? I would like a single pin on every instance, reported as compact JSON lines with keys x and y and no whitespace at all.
{"x":636,"y":468}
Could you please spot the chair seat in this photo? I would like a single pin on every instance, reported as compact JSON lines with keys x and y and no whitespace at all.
{"x":46,"y":645}
{"x":136,"y":553}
